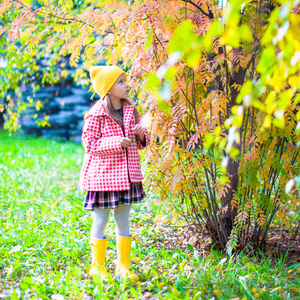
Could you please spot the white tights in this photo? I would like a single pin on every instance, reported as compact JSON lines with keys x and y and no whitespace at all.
{"x":101,"y":216}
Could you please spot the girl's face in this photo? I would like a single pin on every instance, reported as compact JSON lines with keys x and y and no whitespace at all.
{"x":120,"y":89}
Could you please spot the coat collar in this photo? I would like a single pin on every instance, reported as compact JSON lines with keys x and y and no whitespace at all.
{"x":98,"y":110}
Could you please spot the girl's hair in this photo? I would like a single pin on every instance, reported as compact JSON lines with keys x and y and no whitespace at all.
{"x":114,"y":115}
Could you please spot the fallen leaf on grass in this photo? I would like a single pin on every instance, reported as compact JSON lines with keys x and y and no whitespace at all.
{"x":217,"y":292}
{"x":181,"y":266}
{"x":176,"y":292}
{"x":136,"y":260}
{"x":276,"y":289}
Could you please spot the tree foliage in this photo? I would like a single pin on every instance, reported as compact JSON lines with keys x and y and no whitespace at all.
{"x":222,"y":85}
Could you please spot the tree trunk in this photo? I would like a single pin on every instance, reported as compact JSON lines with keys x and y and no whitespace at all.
{"x":232,"y":165}
{"x":1,"y":121}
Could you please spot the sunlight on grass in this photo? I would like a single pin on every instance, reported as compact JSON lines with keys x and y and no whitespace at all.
{"x":45,"y":250}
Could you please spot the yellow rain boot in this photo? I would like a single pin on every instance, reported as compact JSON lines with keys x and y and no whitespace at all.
{"x":98,"y":258}
{"x":123,"y":253}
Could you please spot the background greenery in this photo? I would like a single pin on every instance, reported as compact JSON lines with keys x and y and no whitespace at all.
{"x":44,"y":240}
{"x":219,"y":79}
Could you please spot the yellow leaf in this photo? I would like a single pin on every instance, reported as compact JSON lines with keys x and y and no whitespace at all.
{"x":276,"y":289}
{"x":294,"y":81}
{"x":217,"y":292}
{"x":267,"y":121}
{"x":136,"y":260}
{"x":181,"y":266}
{"x":175,"y":292}
{"x":64,"y":73}
{"x":38,"y":105}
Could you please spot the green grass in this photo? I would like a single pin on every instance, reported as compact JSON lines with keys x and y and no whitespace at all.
{"x":44,"y":240}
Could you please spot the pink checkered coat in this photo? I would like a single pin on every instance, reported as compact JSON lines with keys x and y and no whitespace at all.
{"x":105,"y":166}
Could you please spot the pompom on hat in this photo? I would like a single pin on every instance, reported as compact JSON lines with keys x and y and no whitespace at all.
{"x":104,"y":77}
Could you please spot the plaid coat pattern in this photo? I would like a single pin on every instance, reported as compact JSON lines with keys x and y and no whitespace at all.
{"x":105,"y":165}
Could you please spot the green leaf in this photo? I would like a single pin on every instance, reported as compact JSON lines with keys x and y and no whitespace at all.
{"x":215,"y":28}
{"x":234,"y":152}
{"x":229,"y":251}
{"x":267,"y":59}
{"x":196,"y":255}
{"x":224,"y":180}
{"x":245,"y":33}
{"x":183,"y":38}
{"x":171,"y":73}
{"x":24,"y":286}
{"x":190,"y":247}
{"x":209,"y":140}
{"x":163,"y":106}
{"x":297,"y":99}
{"x":134,"y":293}
{"x":232,"y":14}
{"x":179,"y":286}
{"x":152,"y":82}
{"x":14,"y":295}
{"x":243,"y":282}
{"x":148,"y":41}
{"x":27,"y":279}
{"x":193,"y":58}
{"x":278,"y":122}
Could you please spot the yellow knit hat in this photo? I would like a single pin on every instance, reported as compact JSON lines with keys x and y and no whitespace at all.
{"x":104,"y":77}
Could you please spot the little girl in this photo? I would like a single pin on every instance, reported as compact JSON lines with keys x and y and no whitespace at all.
{"x":111,"y":171}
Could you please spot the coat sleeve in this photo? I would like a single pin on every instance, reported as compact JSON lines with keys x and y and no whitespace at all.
{"x":141,"y":146}
{"x":94,"y":143}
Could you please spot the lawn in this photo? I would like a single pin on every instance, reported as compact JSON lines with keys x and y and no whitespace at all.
{"x":44,"y":240}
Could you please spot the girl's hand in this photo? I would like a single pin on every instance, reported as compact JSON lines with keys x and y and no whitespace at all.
{"x":140,"y":131}
{"x":125,"y":142}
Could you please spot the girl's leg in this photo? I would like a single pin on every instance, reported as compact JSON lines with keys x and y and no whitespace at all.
{"x":121,"y":217}
{"x":99,"y":243}
{"x":99,"y":223}
{"x":124,"y":239}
